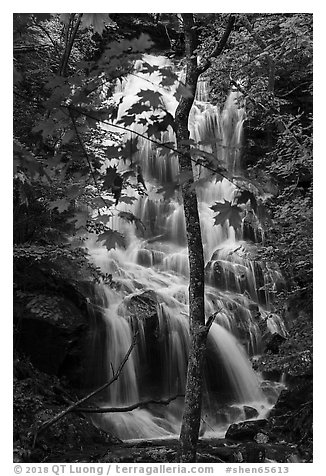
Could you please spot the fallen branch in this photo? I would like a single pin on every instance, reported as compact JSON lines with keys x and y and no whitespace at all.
{"x":74,"y":406}
{"x":127,"y":408}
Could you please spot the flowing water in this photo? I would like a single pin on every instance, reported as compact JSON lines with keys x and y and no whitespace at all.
{"x":150,"y":292}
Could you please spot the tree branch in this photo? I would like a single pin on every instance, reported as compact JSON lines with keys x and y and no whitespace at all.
{"x":220,"y":45}
{"x":74,"y":406}
{"x":127,"y":408}
{"x":55,"y":46}
{"x":211,"y":319}
{"x":274,"y":110}
{"x":69,"y":44}
{"x":86,"y":155}
{"x":264,"y":47}
{"x":153,"y":141}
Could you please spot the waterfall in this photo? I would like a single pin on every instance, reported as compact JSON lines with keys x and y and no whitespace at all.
{"x":150,"y":292}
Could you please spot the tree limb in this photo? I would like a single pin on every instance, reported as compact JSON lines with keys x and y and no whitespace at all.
{"x":55,"y":46}
{"x":127,"y":408}
{"x":264,"y":47}
{"x":74,"y":406}
{"x":69,"y":43}
{"x":273,"y":109}
{"x":86,"y":155}
{"x":211,"y":319}
{"x":220,"y":45}
{"x":153,"y":141}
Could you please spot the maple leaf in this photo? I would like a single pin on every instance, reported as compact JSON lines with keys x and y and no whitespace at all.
{"x":226,"y":211}
{"x":97,"y":21}
{"x":98,"y":202}
{"x":26,"y":161}
{"x":126,"y":120}
{"x":143,"y":121}
{"x":47,"y":126}
{"x":80,"y":219}
{"x":111,"y":239}
{"x":142,"y":43}
{"x":61,"y":204}
{"x":148,"y":68}
{"x":128,"y":216}
{"x":138,"y":108}
{"x":168,"y":77}
{"x":128,"y":200}
{"x":160,"y":124}
{"x":129,"y":148}
{"x":73,"y":191}
{"x":111,"y":173}
{"x":112,"y":152}
{"x":182,"y":91}
{"x":153,"y":97}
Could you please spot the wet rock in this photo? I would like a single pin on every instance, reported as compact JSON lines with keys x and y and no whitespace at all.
{"x":52,"y":333}
{"x":246,"y":431}
{"x":261,"y":438}
{"x":254,"y":453}
{"x":250,"y":412}
{"x":252,"y":230}
{"x":292,"y":398}
{"x":273,"y":341}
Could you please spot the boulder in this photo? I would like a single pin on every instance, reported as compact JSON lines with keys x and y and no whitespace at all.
{"x":249,"y":412}
{"x":273,"y":342}
{"x":246,"y":430}
{"x":52,"y":332}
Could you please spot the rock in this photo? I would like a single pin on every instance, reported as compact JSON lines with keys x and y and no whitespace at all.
{"x":250,"y":412}
{"x":273,"y":342}
{"x":261,"y":438}
{"x":55,"y":341}
{"x":292,"y":416}
{"x":245,"y":431}
{"x":292,"y":398}
{"x":254,"y":453}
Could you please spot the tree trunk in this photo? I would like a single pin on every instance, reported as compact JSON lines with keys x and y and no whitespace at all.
{"x":198,"y":331}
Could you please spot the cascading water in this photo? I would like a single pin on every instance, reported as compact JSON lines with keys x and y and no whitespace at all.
{"x":151,"y":289}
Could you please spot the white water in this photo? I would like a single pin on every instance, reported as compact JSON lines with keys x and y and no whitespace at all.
{"x":157,"y":264}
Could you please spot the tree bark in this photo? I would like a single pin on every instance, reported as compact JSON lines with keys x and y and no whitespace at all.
{"x":198,"y":328}
{"x":193,"y":393}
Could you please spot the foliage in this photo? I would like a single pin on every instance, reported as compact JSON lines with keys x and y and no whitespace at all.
{"x":295,"y":356}
{"x":269,"y":60}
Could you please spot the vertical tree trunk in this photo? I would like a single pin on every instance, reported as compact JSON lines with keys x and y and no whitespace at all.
{"x":193,"y":394}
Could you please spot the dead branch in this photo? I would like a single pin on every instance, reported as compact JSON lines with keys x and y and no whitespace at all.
{"x":127,"y":408}
{"x":74,"y":406}
{"x":211,"y":319}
